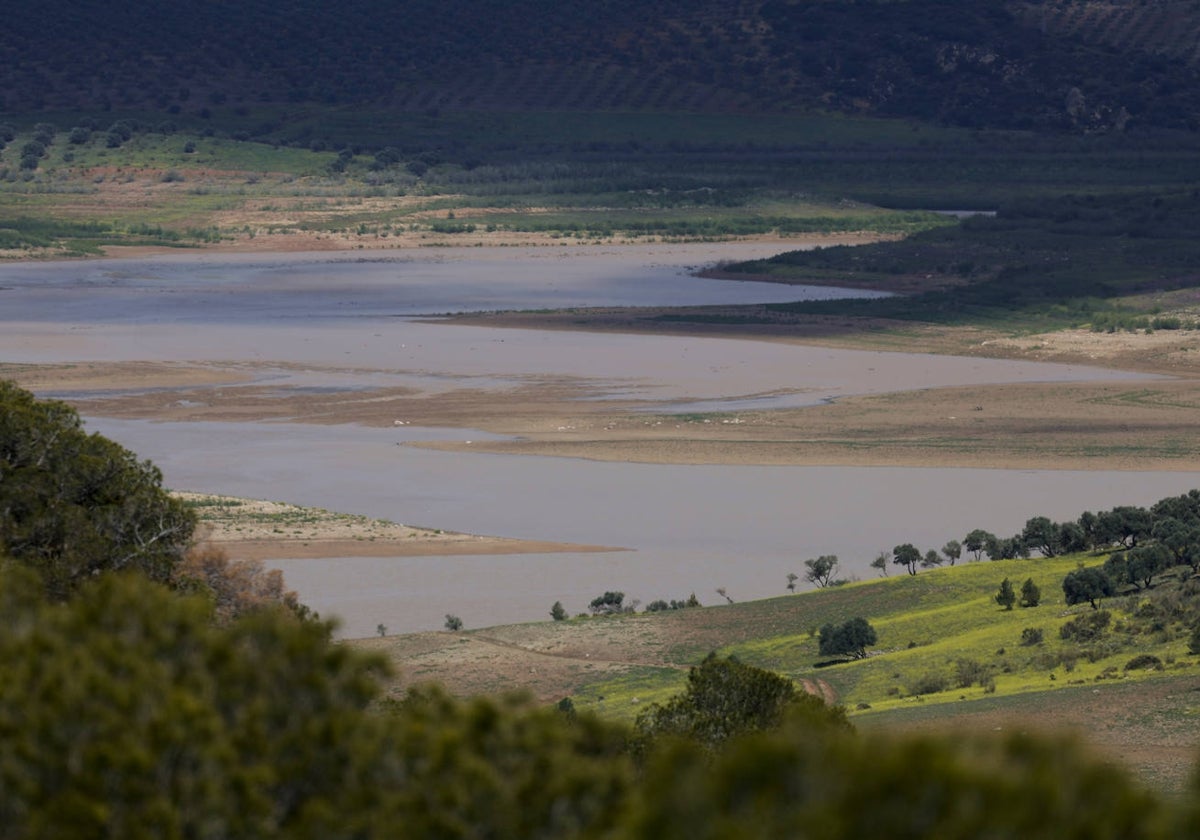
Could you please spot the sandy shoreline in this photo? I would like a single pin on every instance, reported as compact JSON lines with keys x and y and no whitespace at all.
{"x":256,"y":529}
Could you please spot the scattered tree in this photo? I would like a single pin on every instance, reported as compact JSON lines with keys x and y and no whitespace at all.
{"x":1006,"y":597}
{"x":977,"y":541}
{"x":931,"y":559}
{"x":821,"y":570}
{"x":908,"y":556}
{"x":1138,"y":566}
{"x":1125,"y":525}
{"x":851,"y":638}
{"x":1031,"y":596}
{"x":558,"y":612}
{"x":881,"y":563}
{"x":999,"y":548}
{"x":610,"y":603}
{"x":791,"y":581}
{"x":725,"y":698}
{"x":952,"y":551}
{"x":1181,"y":538}
{"x":1042,"y":535}
{"x":1087,"y":585}
{"x":453,"y":622}
{"x":723,"y":594}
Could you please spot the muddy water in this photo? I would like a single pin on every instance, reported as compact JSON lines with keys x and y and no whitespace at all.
{"x":319,"y":322}
{"x":688,"y":528}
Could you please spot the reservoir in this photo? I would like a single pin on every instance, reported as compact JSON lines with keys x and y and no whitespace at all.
{"x":317,"y":321}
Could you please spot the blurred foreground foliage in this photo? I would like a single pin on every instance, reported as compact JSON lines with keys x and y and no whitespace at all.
{"x":128,"y":712}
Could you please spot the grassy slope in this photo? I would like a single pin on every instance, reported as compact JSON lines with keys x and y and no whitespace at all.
{"x":927,"y":625}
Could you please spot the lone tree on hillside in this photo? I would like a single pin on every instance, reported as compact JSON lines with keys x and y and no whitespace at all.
{"x":74,"y":506}
{"x":1088,"y":585}
{"x":821,"y":570}
{"x":851,"y":638}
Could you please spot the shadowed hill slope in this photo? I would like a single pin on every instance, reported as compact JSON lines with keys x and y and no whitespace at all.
{"x":984,"y":64}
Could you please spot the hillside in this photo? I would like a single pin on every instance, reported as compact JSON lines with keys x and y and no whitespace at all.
{"x":1075,"y":67}
{"x":1108,"y":611}
{"x":947,"y":654}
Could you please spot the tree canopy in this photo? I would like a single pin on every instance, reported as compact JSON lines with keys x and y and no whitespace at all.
{"x":74,"y":505}
{"x":1087,"y":585}
{"x":725,"y":698}
{"x":850,"y":638}
{"x":821,"y":570}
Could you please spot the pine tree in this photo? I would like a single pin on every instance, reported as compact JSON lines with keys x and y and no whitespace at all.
{"x":1006,"y":597}
{"x":1031,"y":596}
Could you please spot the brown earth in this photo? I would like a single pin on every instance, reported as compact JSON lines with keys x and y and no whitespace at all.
{"x":1145,"y":425}
{"x":256,"y":529}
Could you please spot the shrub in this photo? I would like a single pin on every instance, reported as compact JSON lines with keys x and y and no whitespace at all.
{"x":971,"y":671}
{"x":1086,"y":627}
{"x":928,"y":683}
{"x":1144,"y":662}
{"x":1031,"y":636}
{"x":608,"y":604}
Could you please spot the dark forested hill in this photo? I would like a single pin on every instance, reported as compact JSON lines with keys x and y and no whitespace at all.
{"x":1066,"y":65}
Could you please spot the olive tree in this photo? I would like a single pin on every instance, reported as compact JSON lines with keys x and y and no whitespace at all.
{"x":1087,"y":585}
{"x":850,"y":638}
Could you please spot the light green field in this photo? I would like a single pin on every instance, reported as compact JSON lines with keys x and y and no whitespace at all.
{"x":941,"y":626}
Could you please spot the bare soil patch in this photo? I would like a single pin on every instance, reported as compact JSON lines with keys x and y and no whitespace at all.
{"x":255,"y":529}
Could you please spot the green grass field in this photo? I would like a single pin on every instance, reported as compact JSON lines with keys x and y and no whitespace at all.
{"x":942,"y":639}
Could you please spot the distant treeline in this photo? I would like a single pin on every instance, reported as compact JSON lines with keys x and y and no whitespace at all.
{"x":972,"y":64}
{"x":1048,"y":262}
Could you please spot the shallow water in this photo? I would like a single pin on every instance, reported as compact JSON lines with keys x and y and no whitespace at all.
{"x":315,"y":321}
{"x":688,"y":528}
